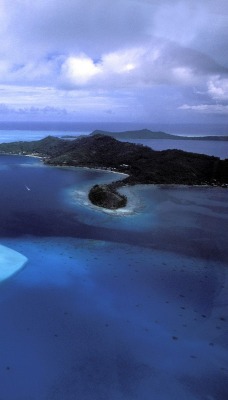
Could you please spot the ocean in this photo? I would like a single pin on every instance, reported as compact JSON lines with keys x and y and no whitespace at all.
{"x":121,"y":305}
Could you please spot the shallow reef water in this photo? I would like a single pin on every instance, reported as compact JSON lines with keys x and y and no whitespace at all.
{"x":11,"y":261}
{"x":111,"y":306}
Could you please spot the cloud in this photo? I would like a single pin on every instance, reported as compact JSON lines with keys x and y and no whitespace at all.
{"x":159,"y":62}
{"x":113,"y":69}
{"x":93,"y":57}
{"x":79,"y":25}
{"x":218,"y":88}
{"x":41,"y":103}
{"x":30,"y":72}
{"x":178,"y":21}
{"x":79,"y":70}
{"x":206,"y":108}
{"x":38,"y":40}
{"x":34,"y":29}
{"x":216,"y":96}
{"x":35,"y":111}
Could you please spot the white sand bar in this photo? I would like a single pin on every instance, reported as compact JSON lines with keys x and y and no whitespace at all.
{"x":10,"y":262}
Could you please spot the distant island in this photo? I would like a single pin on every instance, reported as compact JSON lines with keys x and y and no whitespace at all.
{"x":140,"y":163}
{"x":147,"y":134}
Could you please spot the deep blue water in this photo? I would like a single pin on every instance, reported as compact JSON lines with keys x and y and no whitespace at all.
{"x":109,"y":305}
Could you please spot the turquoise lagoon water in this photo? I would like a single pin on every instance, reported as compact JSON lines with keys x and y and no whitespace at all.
{"x":118,"y":306}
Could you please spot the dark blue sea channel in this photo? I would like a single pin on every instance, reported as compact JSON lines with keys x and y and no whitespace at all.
{"x":99,"y":305}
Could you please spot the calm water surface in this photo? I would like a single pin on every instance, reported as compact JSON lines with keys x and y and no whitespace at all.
{"x":111,"y":306}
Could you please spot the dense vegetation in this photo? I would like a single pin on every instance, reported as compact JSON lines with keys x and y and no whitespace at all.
{"x":140,"y":163}
{"x":106,"y":196}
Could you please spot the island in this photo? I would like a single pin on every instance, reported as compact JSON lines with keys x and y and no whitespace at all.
{"x":150,"y":135}
{"x":106,"y":196}
{"x":141,"y":164}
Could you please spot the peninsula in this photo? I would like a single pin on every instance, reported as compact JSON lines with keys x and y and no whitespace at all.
{"x":141,"y":164}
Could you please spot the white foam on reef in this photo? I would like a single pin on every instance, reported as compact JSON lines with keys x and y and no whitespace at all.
{"x":10,"y":262}
{"x":133,"y":202}
{"x":33,"y":165}
{"x":81,"y":195}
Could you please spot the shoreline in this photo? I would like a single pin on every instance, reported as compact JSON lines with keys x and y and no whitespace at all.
{"x":111,"y":189}
{"x":22,"y":155}
{"x":83,"y":199}
{"x":134,"y":204}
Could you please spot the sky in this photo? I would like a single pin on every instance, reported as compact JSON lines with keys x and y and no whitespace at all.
{"x":123,"y":60}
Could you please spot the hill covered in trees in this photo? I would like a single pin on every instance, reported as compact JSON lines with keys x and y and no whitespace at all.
{"x":140,"y":163}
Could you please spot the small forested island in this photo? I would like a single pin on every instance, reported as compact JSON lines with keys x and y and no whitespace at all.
{"x":141,"y":164}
